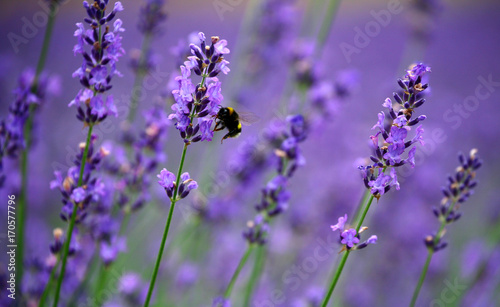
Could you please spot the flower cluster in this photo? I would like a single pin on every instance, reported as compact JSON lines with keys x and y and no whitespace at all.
{"x":275,"y":195}
{"x":27,"y":94}
{"x":203,"y":100}
{"x":99,"y":66}
{"x":167,"y":181}
{"x":395,"y":139}
{"x":459,"y":188}
{"x":350,"y":237}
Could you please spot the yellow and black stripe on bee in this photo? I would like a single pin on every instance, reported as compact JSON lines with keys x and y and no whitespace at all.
{"x":228,"y":118}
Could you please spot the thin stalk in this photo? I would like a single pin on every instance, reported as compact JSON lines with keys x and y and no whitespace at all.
{"x":72,"y":221}
{"x":139,"y":77}
{"x":340,"y":267}
{"x":438,"y":237}
{"x":236,"y":273}
{"x":260,"y":260}
{"x":101,"y":283}
{"x":422,"y":277}
{"x":359,"y":208}
{"x":167,"y":226}
{"x":21,"y":207}
{"x":48,"y":286}
{"x":326,"y":26}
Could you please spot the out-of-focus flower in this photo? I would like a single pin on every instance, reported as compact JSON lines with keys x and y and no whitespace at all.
{"x":460,"y":187}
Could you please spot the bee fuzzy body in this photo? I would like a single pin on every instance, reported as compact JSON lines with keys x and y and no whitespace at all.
{"x":228,"y":118}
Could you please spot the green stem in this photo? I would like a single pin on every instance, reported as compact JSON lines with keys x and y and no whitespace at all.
{"x":340,"y":267}
{"x":139,"y":77}
{"x":21,"y":207}
{"x":236,"y":273}
{"x":260,"y":260}
{"x":167,"y":226}
{"x":359,"y":208}
{"x":101,"y":283}
{"x":422,"y":277}
{"x":326,"y":26}
{"x":48,"y":286}
{"x":335,"y":278}
{"x":72,"y":221}
{"x":438,"y":237}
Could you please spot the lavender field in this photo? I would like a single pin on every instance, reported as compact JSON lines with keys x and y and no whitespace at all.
{"x":255,"y":153}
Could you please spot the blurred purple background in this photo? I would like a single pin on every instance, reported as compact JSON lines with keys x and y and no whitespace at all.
{"x":462,"y":48}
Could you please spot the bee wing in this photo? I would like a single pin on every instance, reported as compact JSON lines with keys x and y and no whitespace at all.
{"x":247,"y":118}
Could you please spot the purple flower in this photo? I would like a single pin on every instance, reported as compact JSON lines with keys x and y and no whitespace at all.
{"x":99,"y":61}
{"x":417,"y":70}
{"x":379,"y":184}
{"x":380,"y":123}
{"x":349,"y":237}
{"x":459,"y":188}
{"x":187,"y":184}
{"x":372,"y":240}
{"x":167,"y":179}
{"x":340,"y":225}
{"x":395,"y":143}
{"x":201,"y":102}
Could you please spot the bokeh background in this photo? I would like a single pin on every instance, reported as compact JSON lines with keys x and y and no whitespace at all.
{"x":458,"y":39}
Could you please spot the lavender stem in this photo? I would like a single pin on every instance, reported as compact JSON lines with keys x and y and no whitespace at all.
{"x":167,"y":226}
{"x":258,"y":268}
{"x":27,"y":133}
{"x":236,"y":273}
{"x":438,"y":237}
{"x":72,"y":221}
{"x":336,"y":276}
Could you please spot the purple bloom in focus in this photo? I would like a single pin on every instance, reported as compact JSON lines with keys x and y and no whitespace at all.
{"x":372,"y":240}
{"x":99,"y":62}
{"x":201,"y":101}
{"x":379,"y":184}
{"x":167,"y":179}
{"x":395,"y":141}
{"x":349,"y":238}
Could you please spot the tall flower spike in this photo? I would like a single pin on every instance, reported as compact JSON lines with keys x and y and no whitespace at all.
{"x":388,"y":153}
{"x":459,"y":188}
{"x":103,"y":42}
{"x":203,"y":100}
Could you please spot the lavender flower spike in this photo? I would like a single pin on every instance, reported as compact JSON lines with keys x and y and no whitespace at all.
{"x":460,"y":187}
{"x":388,"y":152}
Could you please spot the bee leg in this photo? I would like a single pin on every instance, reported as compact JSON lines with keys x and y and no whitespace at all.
{"x":221,"y":126}
{"x":225,"y":137}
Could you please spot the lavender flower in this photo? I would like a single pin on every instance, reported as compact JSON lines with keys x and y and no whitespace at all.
{"x":275,"y":195}
{"x":99,"y":66}
{"x":12,"y":138}
{"x":350,"y":237}
{"x":460,"y":187}
{"x":395,"y":139}
{"x":201,"y":101}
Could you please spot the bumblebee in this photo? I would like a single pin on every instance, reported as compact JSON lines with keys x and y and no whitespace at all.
{"x":228,"y":118}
